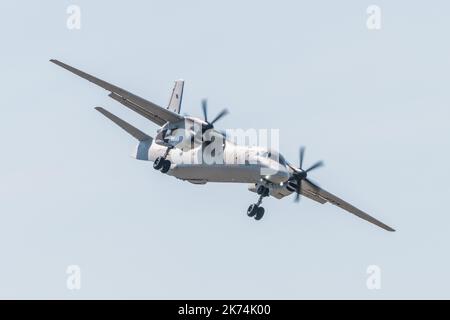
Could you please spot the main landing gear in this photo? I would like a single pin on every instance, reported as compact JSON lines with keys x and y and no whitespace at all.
{"x":255,"y":210}
{"x":161,"y":163}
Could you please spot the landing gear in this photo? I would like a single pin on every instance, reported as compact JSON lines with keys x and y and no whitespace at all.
{"x":259,"y":213}
{"x":255,"y":210}
{"x":161,"y":163}
{"x":263,"y":191}
{"x":252,"y":210}
{"x":165,"y":166}
{"x":157,"y":165}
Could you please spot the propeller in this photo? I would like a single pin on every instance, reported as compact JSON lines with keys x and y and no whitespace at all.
{"x":210,"y":124}
{"x":302,"y":174}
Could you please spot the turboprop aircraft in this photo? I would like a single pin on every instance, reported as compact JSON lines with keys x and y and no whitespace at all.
{"x":180,"y":145}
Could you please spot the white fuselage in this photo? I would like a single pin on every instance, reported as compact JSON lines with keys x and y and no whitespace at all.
{"x":238,"y":164}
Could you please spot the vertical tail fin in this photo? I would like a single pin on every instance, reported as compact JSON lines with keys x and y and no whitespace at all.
{"x":177,"y":95}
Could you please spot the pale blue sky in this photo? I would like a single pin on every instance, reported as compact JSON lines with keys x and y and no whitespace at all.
{"x":374,"y":105}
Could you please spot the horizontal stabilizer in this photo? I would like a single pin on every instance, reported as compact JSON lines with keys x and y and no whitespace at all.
{"x":135,"y":132}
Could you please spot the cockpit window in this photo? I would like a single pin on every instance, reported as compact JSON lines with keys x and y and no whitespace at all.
{"x":275,"y":156}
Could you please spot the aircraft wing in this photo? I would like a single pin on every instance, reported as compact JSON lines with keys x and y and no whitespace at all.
{"x":308,"y":189}
{"x":144,"y":107}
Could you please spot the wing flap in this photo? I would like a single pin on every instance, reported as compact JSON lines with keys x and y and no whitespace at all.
{"x":143,"y":112}
{"x":314,"y":197}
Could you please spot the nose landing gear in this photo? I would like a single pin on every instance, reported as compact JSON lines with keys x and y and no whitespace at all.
{"x":255,"y":210}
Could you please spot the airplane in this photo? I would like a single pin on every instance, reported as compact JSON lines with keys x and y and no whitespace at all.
{"x":265,"y":170}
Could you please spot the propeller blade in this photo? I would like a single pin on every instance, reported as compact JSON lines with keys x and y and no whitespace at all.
{"x":222,"y":113}
{"x":301,"y":156}
{"x":300,"y":174}
{"x":205,"y":109}
{"x":315,"y":166}
{"x":299,"y":190}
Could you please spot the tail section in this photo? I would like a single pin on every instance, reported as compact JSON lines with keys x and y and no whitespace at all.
{"x":177,"y":95}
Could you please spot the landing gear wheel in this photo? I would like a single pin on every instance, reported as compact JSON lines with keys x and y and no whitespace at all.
{"x":252,"y":210}
{"x":259,"y":213}
{"x":165,"y":166}
{"x":158,"y":163}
